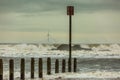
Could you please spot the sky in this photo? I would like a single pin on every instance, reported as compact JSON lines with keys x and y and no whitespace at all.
{"x":29,"y":21}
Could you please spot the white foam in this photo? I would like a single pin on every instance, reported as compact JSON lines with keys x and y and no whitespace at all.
{"x":93,"y":74}
{"x":24,"y":50}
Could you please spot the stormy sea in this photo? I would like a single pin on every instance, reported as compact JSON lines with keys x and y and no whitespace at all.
{"x":94,"y":61}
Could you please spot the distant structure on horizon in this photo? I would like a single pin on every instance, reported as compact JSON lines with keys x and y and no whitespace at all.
{"x":48,"y":39}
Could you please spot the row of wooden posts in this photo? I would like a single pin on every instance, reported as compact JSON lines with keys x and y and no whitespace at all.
{"x":40,"y":67}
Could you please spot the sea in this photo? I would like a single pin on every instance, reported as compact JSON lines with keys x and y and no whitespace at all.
{"x":93,"y":60}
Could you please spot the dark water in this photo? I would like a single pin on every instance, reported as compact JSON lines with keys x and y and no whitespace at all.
{"x":83,"y":65}
{"x":86,"y":65}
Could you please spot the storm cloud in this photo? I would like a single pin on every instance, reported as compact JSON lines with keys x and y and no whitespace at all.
{"x":36,"y":6}
{"x":94,"y":20}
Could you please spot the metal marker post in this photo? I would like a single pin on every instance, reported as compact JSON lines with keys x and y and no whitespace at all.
{"x":70,"y":12}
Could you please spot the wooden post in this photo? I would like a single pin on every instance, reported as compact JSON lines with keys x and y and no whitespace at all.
{"x":22,"y":69}
{"x":48,"y":65}
{"x":11,"y":68}
{"x":57,"y":66}
{"x":69,"y":65}
{"x":40,"y":68}
{"x":32,"y":68}
{"x":75,"y":65}
{"x":63,"y":65}
{"x":1,"y":69}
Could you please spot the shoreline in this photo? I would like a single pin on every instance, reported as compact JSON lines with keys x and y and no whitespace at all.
{"x":88,"y":79}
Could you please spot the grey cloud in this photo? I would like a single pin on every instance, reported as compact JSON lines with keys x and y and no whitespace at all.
{"x":95,"y":5}
{"x":36,"y":6}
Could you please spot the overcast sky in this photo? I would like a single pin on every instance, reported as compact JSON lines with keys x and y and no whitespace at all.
{"x":24,"y":21}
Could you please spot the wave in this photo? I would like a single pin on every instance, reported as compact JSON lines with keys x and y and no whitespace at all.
{"x":45,"y":50}
{"x":95,"y":74}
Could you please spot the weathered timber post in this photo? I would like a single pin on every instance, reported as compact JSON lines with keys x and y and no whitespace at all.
{"x":69,"y":65}
{"x":57,"y":66}
{"x":75,"y":64}
{"x":22,"y":75}
{"x":32,"y":68}
{"x":11,"y":69}
{"x":1,"y":69}
{"x":40,"y":68}
{"x":63,"y":65}
{"x":48,"y":65}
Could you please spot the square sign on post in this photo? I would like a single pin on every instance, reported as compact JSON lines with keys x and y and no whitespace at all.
{"x":70,"y":10}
